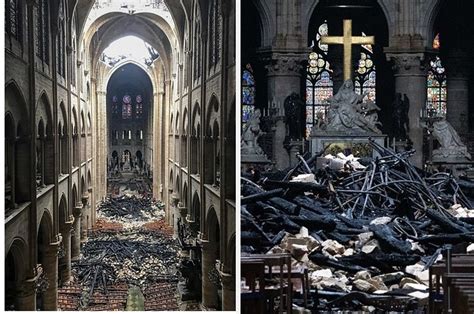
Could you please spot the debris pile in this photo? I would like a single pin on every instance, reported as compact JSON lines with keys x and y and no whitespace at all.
{"x":130,"y":245}
{"x":367,"y":229}
{"x":136,"y":257}
{"x":131,"y":208}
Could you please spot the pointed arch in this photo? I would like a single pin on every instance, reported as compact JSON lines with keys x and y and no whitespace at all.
{"x":44,"y":112}
{"x":195,"y":213}
{"x":17,"y":260}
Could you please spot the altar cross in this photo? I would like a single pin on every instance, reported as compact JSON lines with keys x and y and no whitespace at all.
{"x":347,"y":40}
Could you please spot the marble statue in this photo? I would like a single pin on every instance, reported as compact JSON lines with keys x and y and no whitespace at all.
{"x":349,"y":114}
{"x":249,"y":144}
{"x":451,"y":145}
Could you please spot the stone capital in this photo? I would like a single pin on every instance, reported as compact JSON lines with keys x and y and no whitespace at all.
{"x":85,"y":199}
{"x":67,"y":226}
{"x":53,"y":248}
{"x":77,"y":211}
{"x":283,"y":63}
{"x":408,"y":63}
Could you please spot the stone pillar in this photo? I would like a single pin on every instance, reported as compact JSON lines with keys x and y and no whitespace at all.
{"x":66,"y":260}
{"x":457,"y":73}
{"x":228,"y":292}
{"x":76,"y":239}
{"x":50,"y":268}
{"x":85,"y":213}
{"x":410,"y":79}
{"x":280,"y":154}
{"x":92,"y":211}
{"x":209,"y":290}
{"x":26,"y":296}
{"x":284,"y":77}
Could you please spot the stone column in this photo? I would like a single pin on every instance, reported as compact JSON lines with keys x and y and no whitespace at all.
{"x":76,"y":240}
{"x":457,"y":73}
{"x":284,"y":76}
{"x":228,"y":292}
{"x":66,"y":260}
{"x":85,"y":213}
{"x":92,"y":211}
{"x":280,"y":154}
{"x":209,"y":290}
{"x":101,"y":140}
{"x":50,"y":268}
{"x":26,"y":296}
{"x":410,"y":79}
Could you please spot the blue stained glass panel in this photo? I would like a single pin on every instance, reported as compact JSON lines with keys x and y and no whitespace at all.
{"x":247,"y":111}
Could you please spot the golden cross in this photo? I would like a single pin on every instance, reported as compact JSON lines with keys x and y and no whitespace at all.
{"x":347,"y":40}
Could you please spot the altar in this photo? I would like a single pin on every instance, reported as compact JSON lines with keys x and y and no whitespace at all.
{"x":356,"y":144}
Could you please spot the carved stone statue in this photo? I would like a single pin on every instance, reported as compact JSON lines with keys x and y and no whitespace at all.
{"x":400,"y":116}
{"x":249,"y":144}
{"x":451,"y":145}
{"x":294,"y":113}
{"x":349,"y":114}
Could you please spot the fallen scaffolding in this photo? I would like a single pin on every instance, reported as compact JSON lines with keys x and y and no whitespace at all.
{"x":365,"y":229}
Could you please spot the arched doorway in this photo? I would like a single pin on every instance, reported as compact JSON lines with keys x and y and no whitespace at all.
{"x":16,"y":262}
{"x":64,"y":263}
{"x":212,"y":287}
{"x":46,"y":296}
{"x":139,"y":160}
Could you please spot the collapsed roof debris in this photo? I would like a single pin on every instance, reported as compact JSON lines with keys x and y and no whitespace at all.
{"x":130,"y":245}
{"x":365,"y":228}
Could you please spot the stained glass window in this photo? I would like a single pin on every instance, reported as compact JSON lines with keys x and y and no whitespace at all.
{"x":436,"y":88}
{"x":365,"y":76}
{"x":319,"y":84}
{"x":42,"y":31}
{"x":114,"y":105}
{"x":127,"y":107}
{"x":248,"y":94}
{"x":215,"y":25}
{"x":436,"y":84}
{"x":139,"y":107}
{"x":13,"y":21}
{"x":61,"y":51}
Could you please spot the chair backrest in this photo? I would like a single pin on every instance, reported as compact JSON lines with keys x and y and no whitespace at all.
{"x":253,"y":270}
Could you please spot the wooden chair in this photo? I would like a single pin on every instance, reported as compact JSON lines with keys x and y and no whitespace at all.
{"x":460,"y":264}
{"x":278,"y":261}
{"x":461,"y":292}
{"x":254,"y":299}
